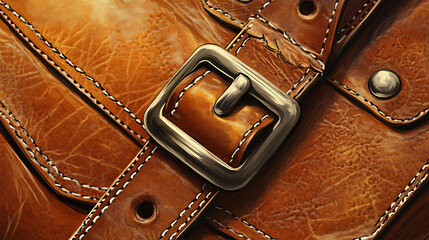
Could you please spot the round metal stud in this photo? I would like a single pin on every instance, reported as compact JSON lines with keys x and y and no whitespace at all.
{"x":384,"y":84}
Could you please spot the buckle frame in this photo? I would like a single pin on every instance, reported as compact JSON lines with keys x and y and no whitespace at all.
{"x":196,"y":156}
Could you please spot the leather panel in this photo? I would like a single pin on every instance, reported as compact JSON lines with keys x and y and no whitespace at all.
{"x":400,"y":44}
{"x":333,"y":178}
{"x":28,"y":209}
{"x":117,"y":50}
{"x":77,"y":151}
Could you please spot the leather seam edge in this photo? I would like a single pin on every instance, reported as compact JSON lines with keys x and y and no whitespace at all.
{"x":374,"y":107}
{"x":84,"y":226}
{"x":77,"y":69}
{"x":246,"y":223}
{"x":43,"y":167}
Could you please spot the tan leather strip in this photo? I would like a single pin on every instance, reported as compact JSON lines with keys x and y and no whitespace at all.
{"x":26,"y":204}
{"x":39,"y":112}
{"x":64,"y":65}
{"x":376,"y":110}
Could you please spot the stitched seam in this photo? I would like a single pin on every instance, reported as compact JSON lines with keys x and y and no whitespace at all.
{"x":360,"y":19}
{"x":181,"y":226}
{"x":33,"y":157}
{"x":229,"y":228}
{"x":64,"y":73}
{"x":298,"y":82}
{"x":329,"y":27}
{"x":404,"y":120}
{"x":209,"y":5}
{"x":290,"y":39}
{"x":306,"y":83}
{"x":84,"y":227}
{"x":386,"y":215}
{"x":49,"y":161}
{"x":246,"y":223}
{"x":264,"y":6}
{"x":255,"y":125}
{"x":197,"y":79}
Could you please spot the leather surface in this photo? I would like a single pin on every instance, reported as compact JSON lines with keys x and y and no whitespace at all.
{"x":29,"y":210}
{"x":332,"y":179}
{"x":403,"y":35}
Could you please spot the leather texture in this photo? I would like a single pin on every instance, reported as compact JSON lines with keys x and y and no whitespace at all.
{"x":76,"y":78}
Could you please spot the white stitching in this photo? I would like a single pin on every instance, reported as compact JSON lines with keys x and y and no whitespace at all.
{"x":298,"y":82}
{"x":260,"y":232}
{"x":223,"y":12}
{"x":329,"y":26}
{"x":229,"y":228}
{"x":181,"y":226}
{"x":383,"y":114}
{"x":98,"y":205}
{"x":264,"y":6}
{"x":245,"y":136}
{"x":64,"y":73}
{"x":386,"y":215}
{"x":171,"y":115}
{"x":44,"y":168}
{"x":360,"y":19}
{"x":290,"y":39}
{"x":197,"y":79}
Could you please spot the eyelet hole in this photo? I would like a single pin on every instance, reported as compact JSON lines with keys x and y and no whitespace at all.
{"x":307,"y":8}
{"x":146,"y":211}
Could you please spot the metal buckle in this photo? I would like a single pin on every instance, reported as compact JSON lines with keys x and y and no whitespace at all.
{"x":196,"y":156}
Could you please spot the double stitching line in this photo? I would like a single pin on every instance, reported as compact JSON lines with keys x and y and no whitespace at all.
{"x":44,"y":168}
{"x":229,"y":228}
{"x":85,"y":227}
{"x":246,"y":223}
{"x":77,"y":69}
{"x":386,"y":215}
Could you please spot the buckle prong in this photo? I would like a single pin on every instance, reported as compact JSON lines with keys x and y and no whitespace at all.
{"x":197,"y":156}
{"x":232,"y":95}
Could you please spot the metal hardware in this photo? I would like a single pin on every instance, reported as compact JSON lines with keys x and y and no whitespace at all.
{"x":384,"y":84}
{"x":196,"y":156}
{"x":232,"y":95}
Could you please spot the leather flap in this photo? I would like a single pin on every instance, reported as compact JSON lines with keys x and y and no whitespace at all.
{"x":399,"y":44}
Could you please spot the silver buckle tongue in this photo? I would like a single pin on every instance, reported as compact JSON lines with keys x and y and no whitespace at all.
{"x":196,"y":156}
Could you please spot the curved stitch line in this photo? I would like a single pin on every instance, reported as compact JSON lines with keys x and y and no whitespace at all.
{"x":383,"y":114}
{"x":181,"y":226}
{"x":71,"y":64}
{"x":264,"y":6}
{"x":32,"y":155}
{"x":197,"y":79}
{"x":299,"y":81}
{"x":255,"y":125}
{"x":260,"y":232}
{"x":49,"y":161}
{"x":329,"y":27}
{"x":84,"y":227}
{"x":229,"y":228}
{"x":64,"y":73}
{"x":293,"y":41}
{"x":209,"y":5}
{"x":360,"y":19}
{"x":403,"y":200}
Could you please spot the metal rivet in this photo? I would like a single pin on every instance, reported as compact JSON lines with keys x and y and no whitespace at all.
{"x":384,"y":84}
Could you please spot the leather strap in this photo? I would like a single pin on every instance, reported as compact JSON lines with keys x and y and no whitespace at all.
{"x":112,"y":212}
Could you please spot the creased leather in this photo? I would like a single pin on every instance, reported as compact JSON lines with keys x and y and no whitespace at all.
{"x":400,"y":44}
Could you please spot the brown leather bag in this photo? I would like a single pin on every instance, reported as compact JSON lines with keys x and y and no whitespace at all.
{"x":308,"y":122}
